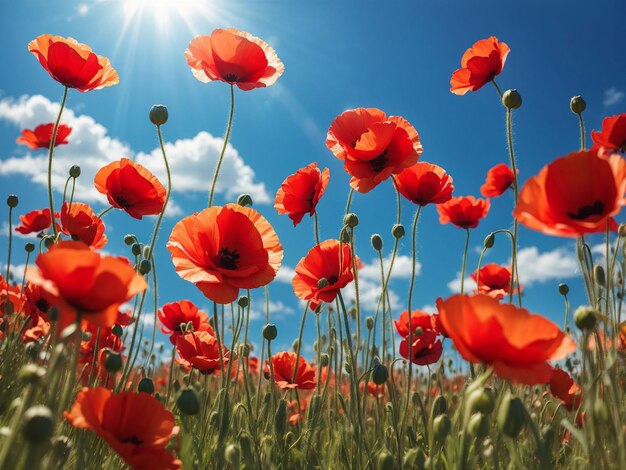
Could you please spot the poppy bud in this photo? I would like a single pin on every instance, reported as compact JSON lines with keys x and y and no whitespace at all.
{"x":113,"y":362}
{"x":385,"y":461}
{"x":377,"y":242}
{"x":351,"y":220}
{"x":585,"y":318}
{"x":31,"y":374}
{"x":244,"y":350}
{"x":511,"y":99}
{"x":146,"y":385}
{"x":48,"y":241}
{"x":577,"y":104}
{"x":563,"y":288}
{"x":144,"y":266}
{"x":323,"y":282}
{"x":482,"y":400}
{"x":117,"y":330}
{"x":244,"y":200}
{"x":29,"y":247}
{"x":345,"y":235}
{"x":12,"y":201}
{"x":478,"y":425}
{"x":75,"y":171}
{"x":324,"y":360}
{"x":600,"y":411}
{"x":270,"y":332}
{"x":232,"y":455}
{"x":621,"y":230}
{"x":158,"y":114}
{"x":38,"y":424}
{"x":187,"y":402}
{"x":136,"y":249}
{"x":511,"y":416}
{"x":369,"y":323}
{"x":380,"y":374}
{"x":398,"y":231}
{"x":295,"y":345}
{"x":245,"y":442}
{"x":441,"y":427}
{"x":129,"y":239}
{"x":147,"y":251}
{"x":243,"y":301}
{"x":489,"y":241}
{"x":599,"y":276}
{"x":280,"y":417}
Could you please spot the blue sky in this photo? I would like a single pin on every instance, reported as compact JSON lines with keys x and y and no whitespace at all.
{"x":397,"y":56}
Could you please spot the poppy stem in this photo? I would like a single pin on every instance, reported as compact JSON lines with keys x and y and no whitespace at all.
{"x":467,"y":237}
{"x":218,"y":337}
{"x":50,"y":154}
{"x":316,"y":228}
{"x":105,"y":211}
{"x":226,"y":137}
{"x":497,"y":87}
{"x":349,"y":201}
{"x":295,"y":367}
{"x":581,"y":125}
{"x":514,"y":271}
{"x":171,"y":376}
{"x":8,"y":272}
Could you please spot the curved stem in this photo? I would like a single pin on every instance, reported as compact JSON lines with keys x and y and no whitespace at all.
{"x":167,"y":194}
{"x":295,"y":367}
{"x":105,"y":211}
{"x":226,"y":137}
{"x":581,"y":125}
{"x":467,"y":236}
{"x":10,"y":247}
{"x":349,"y":202}
{"x":316,"y":228}
{"x":514,"y":273}
{"x":497,"y":87}
{"x":50,"y":154}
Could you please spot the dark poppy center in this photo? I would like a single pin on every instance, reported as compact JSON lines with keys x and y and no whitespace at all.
{"x":42,"y":305}
{"x":231,"y":77}
{"x":228,"y":258}
{"x":584,"y":212}
{"x":379,"y":163}
{"x":132,"y":440}
{"x":309,"y":199}
{"x":332,"y":279}
{"x":122,"y":202}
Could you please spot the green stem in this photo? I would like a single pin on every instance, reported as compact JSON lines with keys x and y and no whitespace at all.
{"x":50,"y":154}
{"x":316,"y":228}
{"x":581,"y":125}
{"x":8,"y":272}
{"x":105,"y":211}
{"x":497,"y":87}
{"x":295,"y":367}
{"x":514,"y":273}
{"x":467,"y":236}
{"x":226,"y":137}
{"x":349,"y":201}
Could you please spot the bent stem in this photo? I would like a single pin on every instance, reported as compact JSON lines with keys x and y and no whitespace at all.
{"x":467,"y":236}
{"x":226,"y":137}
{"x":514,"y":273}
{"x":50,"y":154}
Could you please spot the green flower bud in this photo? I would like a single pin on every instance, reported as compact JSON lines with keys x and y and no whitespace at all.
{"x":158,"y":114}
{"x":295,"y":346}
{"x":245,"y":442}
{"x":38,"y":424}
{"x":75,"y":171}
{"x":600,"y":411}
{"x":482,"y":400}
{"x":270,"y":332}
{"x":29,"y":247}
{"x":136,"y":249}
{"x":369,"y":323}
{"x":48,"y":241}
{"x":377,"y":242}
{"x":478,"y":425}
{"x":398,"y":231}
{"x":380,"y":374}
{"x":385,"y":461}
{"x":440,"y":406}
{"x":577,"y":104}
{"x":244,"y":200}
{"x":32,"y":374}
{"x":351,"y":220}
{"x":144,"y":266}
{"x":585,"y":318}
{"x":113,"y":362}
{"x":129,"y":239}
{"x":324,"y":360}
{"x":146,"y":385}
{"x":563,"y":288}
{"x":117,"y":330}
{"x":599,"y":276}
{"x":511,"y":99}
{"x":188,"y":402}
{"x":489,"y":241}
{"x":511,"y":416}
{"x":441,"y":427}
{"x":12,"y":201}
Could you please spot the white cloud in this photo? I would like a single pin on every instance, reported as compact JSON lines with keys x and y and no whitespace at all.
{"x":557,"y":264}
{"x":82,"y":9}
{"x":16,"y":270}
{"x":612,"y":96}
{"x":401,"y":268}
{"x":191,"y":160}
{"x":285,"y":274}
{"x":455,"y":284}
{"x":278,"y":310}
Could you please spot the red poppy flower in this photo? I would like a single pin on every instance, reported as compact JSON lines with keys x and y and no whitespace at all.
{"x":323,"y":261}
{"x":174,"y":315}
{"x":479,"y":65}
{"x":300,"y":192}
{"x":81,"y":223}
{"x":372,"y":145}
{"x":613,"y":134}
{"x":419,"y":319}
{"x":574,"y":195}
{"x":80,"y":281}
{"x":284,"y":364}
{"x":34,"y":222}
{"x":136,"y":425}
{"x":499,"y":179}
{"x":425,"y":183}
{"x":494,"y":280}
{"x":463,"y":211}
{"x":41,"y":136}
{"x":73,"y":64}
{"x":518,"y":344}
{"x":565,"y":389}
{"x":31,"y":322}
{"x":427,"y":349}
{"x":224,"y":249}
{"x":234,"y":57}
{"x":131,"y":187}
{"x":200,"y":350}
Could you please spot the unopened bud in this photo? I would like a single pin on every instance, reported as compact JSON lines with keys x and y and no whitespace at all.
{"x":585,"y":318}
{"x":482,"y":400}
{"x":136,"y":249}
{"x":380,"y":374}
{"x":75,"y":171}
{"x":158,"y":114}
{"x":113,"y":362}
{"x":280,"y":417}
{"x":146,"y":385}
{"x":351,"y":220}
{"x":599,"y":276}
{"x":244,"y":200}
{"x":31,"y":373}
{"x":188,"y":402}
{"x":270,"y":332}
{"x":29,"y":247}
{"x":478,"y":425}
{"x":398,"y":231}
{"x":440,"y":406}
{"x":511,"y":416}
{"x":441,"y":427}
{"x":377,"y":242}
{"x":369,"y":323}
{"x":577,"y":104}
{"x":563,"y":288}
{"x":12,"y":201}
{"x":511,"y":99}
{"x":232,"y":455}
{"x":243,"y":301}
{"x":324,"y":360}
{"x":489,"y":241}
{"x":38,"y":424}
{"x":144,"y":266}
{"x":117,"y":330}
{"x":385,"y":461}
{"x":129,"y":239}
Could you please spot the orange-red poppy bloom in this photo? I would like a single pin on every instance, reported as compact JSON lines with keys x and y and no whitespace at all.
{"x":176,"y":315}
{"x":136,"y":425}
{"x":499,"y":179}
{"x":419,"y":319}
{"x":493,"y":280}
{"x":27,"y":318}
{"x":427,"y":349}
{"x":200,"y":350}
{"x":613,"y":134}
{"x":73,"y":64}
{"x":518,"y":344}
{"x":131,"y":187}
{"x":80,"y":222}
{"x":425,"y":183}
{"x":234,"y":57}
{"x":41,"y":136}
{"x":480,"y":64}
{"x":463,"y":211}
{"x":81,"y":282}
{"x":284,"y":364}
{"x":324,"y":261}
{"x":565,"y":389}
{"x":574,"y":195}
{"x":372,"y":145}
{"x":300,"y":192}
{"x":224,"y":249}
{"x":34,"y":222}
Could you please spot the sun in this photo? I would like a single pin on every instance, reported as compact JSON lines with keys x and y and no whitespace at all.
{"x":162,"y":11}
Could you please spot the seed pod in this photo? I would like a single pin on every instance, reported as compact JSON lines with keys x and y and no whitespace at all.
{"x":585,"y":318}
{"x":563,"y":288}
{"x":188,"y":402}
{"x":482,"y":400}
{"x":29,"y":247}
{"x":351,"y":220}
{"x":129,"y":239}
{"x":144,"y":266}
{"x":12,"y":201}
{"x":243,"y":301}
{"x":369,"y":323}
{"x":113,"y":362}
{"x":577,"y":104}
{"x":398,"y":231}
{"x":478,"y":425}
{"x":511,"y":99}
{"x":74,"y":171}
{"x":38,"y":424}
{"x":324,"y":360}
{"x":440,"y":406}
{"x":117,"y":330}
{"x":511,"y":416}
{"x":244,"y":200}
{"x":270,"y":332}
{"x":158,"y":114}
{"x":146,"y":385}
{"x":135,"y":249}
{"x":377,"y":242}
{"x":380,"y":374}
